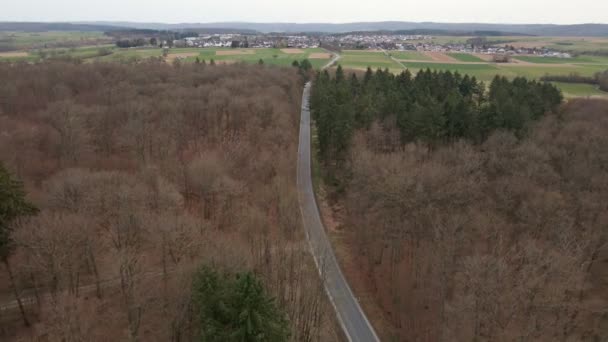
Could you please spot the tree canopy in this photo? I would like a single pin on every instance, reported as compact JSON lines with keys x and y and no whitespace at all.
{"x":433,"y":107}
{"x":236,"y":308}
{"x":13,"y":205}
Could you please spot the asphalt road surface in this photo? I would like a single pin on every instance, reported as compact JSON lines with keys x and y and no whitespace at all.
{"x":352,"y":318}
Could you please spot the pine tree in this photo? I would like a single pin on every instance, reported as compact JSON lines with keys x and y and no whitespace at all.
{"x":256,"y":316}
{"x":305,"y":65}
{"x":339,"y":75}
{"x":236,"y":308}
{"x":13,"y":206}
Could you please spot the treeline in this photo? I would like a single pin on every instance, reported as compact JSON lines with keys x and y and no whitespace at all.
{"x":128,"y":43}
{"x":147,"y":33}
{"x":432,"y":107}
{"x":141,"y":173}
{"x":149,"y":37}
{"x":600,"y":79}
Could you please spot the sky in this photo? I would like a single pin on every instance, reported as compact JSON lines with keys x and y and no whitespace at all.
{"x":308,"y":11}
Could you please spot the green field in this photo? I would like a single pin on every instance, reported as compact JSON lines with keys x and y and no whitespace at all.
{"x":542,"y":70}
{"x":269,"y":56}
{"x":84,"y":53}
{"x":480,"y":71}
{"x":35,"y":40}
{"x":579,"y":89}
{"x":557,"y":60}
{"x":410,"y":55}
{"x":35,"y":44}
{"x":131,"y":54}
{"x":574,"y":44}
{"x":363,"y":59}
{"x":466,"y":57}
{"x":92,"y":53}
{"x":361,"y":52}
{"x":485,"y":71}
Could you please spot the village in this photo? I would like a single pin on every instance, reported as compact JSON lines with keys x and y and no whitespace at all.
{"x":361,"y":41}
{"x":426,"y":43}
{"x":249,"y":41}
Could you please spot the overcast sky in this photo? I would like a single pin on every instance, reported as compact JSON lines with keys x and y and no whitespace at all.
{"x":331,"y":11}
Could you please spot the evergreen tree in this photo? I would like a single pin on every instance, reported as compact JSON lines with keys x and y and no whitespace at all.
{"x":236,"y":308}
{"x":339,"y":75}
{"x":432,"y":107}
{"x":305,"y":65}
{"x":257,"y":317}
{"x":13,"y":206}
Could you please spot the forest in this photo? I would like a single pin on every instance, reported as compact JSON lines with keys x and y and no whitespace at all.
{"x":433,"y":108}
{"x":152,"y":202}
{"x":471,"y":214}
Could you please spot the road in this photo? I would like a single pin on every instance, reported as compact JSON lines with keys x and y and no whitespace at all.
{"x":333,"y":60}
{"x":394,"y":59}
{"x":352,"y":318}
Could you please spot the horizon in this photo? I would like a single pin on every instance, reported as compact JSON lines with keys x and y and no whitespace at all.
{"x":292,"y":22}
{"x":515,"y":12}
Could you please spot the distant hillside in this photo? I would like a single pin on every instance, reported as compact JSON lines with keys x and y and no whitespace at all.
{"x":440,"y":33}
{"x":244,"y":27}
{"x":528,"y":29}
{"x":42,"y":27}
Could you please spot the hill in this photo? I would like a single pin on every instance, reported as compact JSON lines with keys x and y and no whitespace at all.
{"x":528,"y":29}
{"x":42,"y":27}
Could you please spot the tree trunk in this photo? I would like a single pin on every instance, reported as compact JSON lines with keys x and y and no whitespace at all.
{"x":36,"y":292}
{"x":16,"y":292}
{"x":93,"y":265}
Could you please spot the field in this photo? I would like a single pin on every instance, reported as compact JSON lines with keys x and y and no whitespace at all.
{"x":36,"y":40}
{"x":409,"y":55}
{"x":555,"y":60}
{"x":361,"y":59}
{"x":465,"y":57}
{"x":573,"y":44}
{"x":580,"y":90}
{"x":531,"y":67}
{"x":93,"y":46}
{"x":284,"y":57}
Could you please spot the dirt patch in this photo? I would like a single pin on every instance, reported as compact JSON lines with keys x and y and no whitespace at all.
{"x":234,"y":52}
{"x":440,"y":57}
{"x":319,"y":55}
{"x":14,"y":54}
{"x":173,"y":56}
{"x":293,"y":51}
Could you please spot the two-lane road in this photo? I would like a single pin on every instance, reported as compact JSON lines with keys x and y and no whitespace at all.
{"x":352,"y":318}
